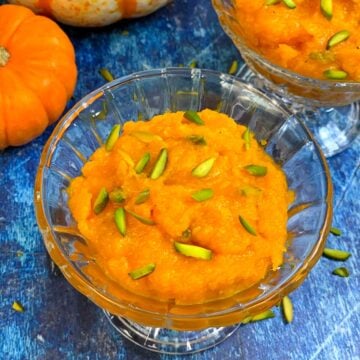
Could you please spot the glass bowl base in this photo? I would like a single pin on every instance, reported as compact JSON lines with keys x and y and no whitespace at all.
{"x":334,"y":128}
{"x":167,"y":341}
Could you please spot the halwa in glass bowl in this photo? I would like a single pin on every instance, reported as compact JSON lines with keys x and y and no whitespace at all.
{"x":165,"y":326}
{"x":330,"y":108}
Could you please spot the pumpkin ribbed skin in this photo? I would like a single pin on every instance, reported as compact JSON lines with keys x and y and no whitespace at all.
{"x":37,"y":74}
{"x":92,"y":13}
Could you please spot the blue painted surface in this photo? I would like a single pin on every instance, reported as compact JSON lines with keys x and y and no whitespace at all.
{"x":59,"y":323}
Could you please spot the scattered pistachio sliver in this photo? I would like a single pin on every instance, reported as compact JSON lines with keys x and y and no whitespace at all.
{"x":160,"y":164}
{"x":145,"y":136}
{"x":341,"y":271}
{"x":290,"y":4}
{"x":117,"y":195}
{"x":246,"y":137}
{"x":203,"y":195}
{"x":140,"y":218}
{"x":101,"y":201}
{"x":120,"y":221}
{"x":140,"y":166}
{"x":268,"y":314}
{"x":256,"y":170}
{"x":204,"y":168}
{"x":337,"y":38}
{"x":106,"y":74}
{"x":193,"y":64}
{"x":247,"y":226}
{"x":233,"y":68}
{"x":263,"y":142}
{"x":19,"y":253}
{"x":194,"y":251}
{"x":326,"y":7}
{"x":17,"y":306}
{"x":335,"y":254}
{"x":141,"y":272}
{"x":249,"y":190}
{"x":333,"y":74}
{"x":193,"y":117}
{"x":196,"y":139}
{"x":112,"y":138}
{"x":287,"y":309}
{"x":335,"y":231}
{"x":272,"y":2}
{"x":142,"y":197}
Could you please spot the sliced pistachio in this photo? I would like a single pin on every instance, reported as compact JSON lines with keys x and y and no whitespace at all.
{"x":193,"y":64}
{"x":326,"y":7}
{"x":160,"y":164}
{"x":141,"y":164}
{"x":247,"y":139}
{"x":249,"y":190}
{"x":117,"y":195}
{"x":186,"y":234}
{"x":193,"y":117}
{"x":101,"y":201}
{"x":112,"y":138}
{"x":196,"y":139}
{"x":234,"y":67}
{"x":256,"y":170}
{"x":140,"y":218}
{"x":263,"y":142}
{"x":19,"y":253}
{"x":17,"y":306}
{"x":335,"y":231}
{"x":335,"y":254}
{"x":203,"y":195}
{"x":247,"y":226}
{"x":194,"y":251}
{"x":145,"y":136}
{"x":142,"y":197}
{"x":290,"y":4}
{"x":204,"y":168}
{"x":246,"y":320}
{"x":106,"y":74}
{"x":143,"y":271}
{"x":120,"y":220}
{"x":268,"y":314}
{"x":272,"y":2}
{"x":287,"y":309}
{"x":341,"y":271}
{"x":337,"y":38}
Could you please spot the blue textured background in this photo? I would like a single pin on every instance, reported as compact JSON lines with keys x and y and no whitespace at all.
{"x":59,"y":323}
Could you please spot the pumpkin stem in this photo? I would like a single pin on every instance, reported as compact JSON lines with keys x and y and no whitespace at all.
{"x":4,"y":56}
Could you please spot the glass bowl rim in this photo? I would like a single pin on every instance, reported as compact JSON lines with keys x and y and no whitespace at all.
{"x":85,"y":287}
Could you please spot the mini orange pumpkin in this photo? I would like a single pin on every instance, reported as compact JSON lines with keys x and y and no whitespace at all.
{"x":37,"y":74}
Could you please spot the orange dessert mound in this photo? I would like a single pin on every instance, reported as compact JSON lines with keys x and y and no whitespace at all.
{"x":187,"y":207}
{"x":297,"y":37}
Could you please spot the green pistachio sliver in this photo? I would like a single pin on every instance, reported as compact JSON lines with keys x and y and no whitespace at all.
{"x":204,"y":168}
{"x":326,"y":7}
{"x":193,"y":64}
{"x":145,"y":136}
{"x":290,"y":4}
{"x":140,"y":218}
{"x":337,"y":38}
{"x":140,"y":166}
{"x":194,"y":251}
{"x":112,"y":138}
{"x":117,"y":195}
{"x":120,"y":220}
{"x":196,"y":139}
{"x":233,"y":68}
{"x":333,"y":74}
{"x":106,"y":74}
{"x":249,"y":190}
{"x":256,"y":170}
{"x":268,"y":314}
{"x":287,"y":308}
{"x":335,"y":254}
{"x":142,"y":197}
{"x":101,"y":201}
{"x":203,"y":195}
{"x":160,"y":164}
{"x":17,"y":306}
{"x":335,"y":231}
{"x":193,"y":117}
{"x":272,"y":2}
{"x":247,"y":226}
{"x":246,"y":137}
{"x":341,"y":271}
{"x":143,"y":271}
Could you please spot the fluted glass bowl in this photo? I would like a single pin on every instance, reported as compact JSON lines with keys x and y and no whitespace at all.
{"x":142,"y":95}
{"x":335,"y":126}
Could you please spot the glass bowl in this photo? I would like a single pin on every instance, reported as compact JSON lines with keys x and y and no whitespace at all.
{"x":329,"y":108}
{"x":166,"y":326}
